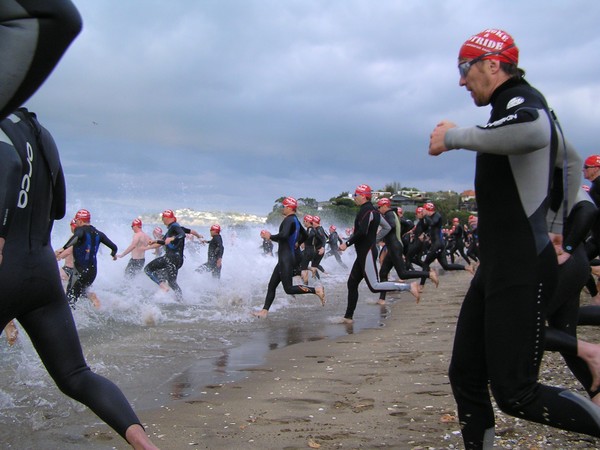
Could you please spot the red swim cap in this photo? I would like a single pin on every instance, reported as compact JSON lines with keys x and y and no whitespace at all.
{"x":592,"y":161}
{"x":429,"y":206}
{"x":384,"y":202}
{"x":308,"y":218}
{"x":168,"y":214}
{"x":364,"y":190}
{"x":136,"y":223}
{"x":290,"y":202}
{"x":83,"y":215}
{"x":216,"y":227}
{"x":332,"y":228}
{"x":419,"y":210}
{"x":158,"y":230}
{"x":499,"y":44}
{"x":316,"y":219}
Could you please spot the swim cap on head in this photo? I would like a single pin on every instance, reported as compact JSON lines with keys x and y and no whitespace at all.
{"x":364,"y":190}
{"x":168,"y":214}
{"x":316,"y":219}
{"x":384,"y":202}
{"x":592,"y":161}
{"x":455,"y":219}
{"x":83,"y":215}
{"x":332,"y":228}
{"x":308,"y":218}
{"x":216,"y":227}
{"x":419,"y":210}
{"x":136,"y":223}
{"x":499,"y":44}
{"x":429,"y":206}
{"x":290,"y":202}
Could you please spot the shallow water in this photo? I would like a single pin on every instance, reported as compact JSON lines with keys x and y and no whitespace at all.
{"x":159,"y":351}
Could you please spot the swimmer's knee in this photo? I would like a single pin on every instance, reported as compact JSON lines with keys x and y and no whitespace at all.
{"x":513,"y":401}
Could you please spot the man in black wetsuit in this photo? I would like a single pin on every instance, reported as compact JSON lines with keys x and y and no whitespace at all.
{"x":320,"y":243}
{"x":215,"y":253}
{"x":32,"y":196}
{"x":394,"y":257}
{"x":164,"y":269}
{"x":433,"y":227}
{"x":500,"y":329}
{"x":85,"y":241}
{"x":334,"y":242}
{"x":364,"y":238}
{"x":456,"y":241}
{"x":291,"y":234}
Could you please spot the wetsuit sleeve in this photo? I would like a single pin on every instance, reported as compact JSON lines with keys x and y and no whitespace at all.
{"x":34,"y":35}
{"x":285,"y":231}
{"x":361,"y":228}
{"x":110,"y":244}
{"x":384,"y":229}
{"x":10,"y":174}
{"x":523,"y":131}
{"x":186,"y":230}
{"x":77,"y":235}
{"x":580,"y":222}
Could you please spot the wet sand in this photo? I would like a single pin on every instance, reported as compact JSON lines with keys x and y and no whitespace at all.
{"x":380,"y":388}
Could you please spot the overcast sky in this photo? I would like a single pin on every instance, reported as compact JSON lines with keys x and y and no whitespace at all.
{"x":230,"y":104}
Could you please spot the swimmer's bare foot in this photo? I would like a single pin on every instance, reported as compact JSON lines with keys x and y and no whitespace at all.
{"x":590,"y":353}
{"x":320,"y":291}
{"x":421,"y":288}
{"x":346,"y":320}
{"x":469,"y":268}
{"x":381,"y":301}
{"x":414,"y":290}
{"x":12,"y":333}
{"x":262,"y":314}
{"x":138,"y":439}
{"x":94,"y":299}
{"x":433,"y":276}
{"x":164,"y":286}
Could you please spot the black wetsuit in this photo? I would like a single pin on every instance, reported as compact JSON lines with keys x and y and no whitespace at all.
{"x":215,"y":252}
{"x":85,"y":241}
{"x":320,"y":243}
{"x":34,"y":34}
{"x":291,"y":234}
{"x":334,"y":240}
{"x":394,"y":258}
{"x":433,"y":226}
{"x":166,"y":267}
{"x":456,"y":243}
{"x":500,"y":329}
{"x":32,"y":196}
{"x":309,"y":251}
{"x":563,"y":308}
{"x":364,"y":239}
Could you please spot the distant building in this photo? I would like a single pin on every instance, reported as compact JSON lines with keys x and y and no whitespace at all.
{"x":467,"y":201}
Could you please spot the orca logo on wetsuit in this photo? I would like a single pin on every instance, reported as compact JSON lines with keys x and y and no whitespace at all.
{"x":26,"y":181}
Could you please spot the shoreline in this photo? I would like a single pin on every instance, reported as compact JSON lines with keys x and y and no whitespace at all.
{"x":383,"y":387}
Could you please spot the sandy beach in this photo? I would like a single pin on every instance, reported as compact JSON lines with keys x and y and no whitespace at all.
{"x":380,"y":388}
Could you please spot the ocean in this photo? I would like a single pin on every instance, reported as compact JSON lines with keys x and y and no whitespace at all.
{"x":159,"y":351}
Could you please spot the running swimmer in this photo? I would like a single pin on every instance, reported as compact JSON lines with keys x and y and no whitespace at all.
{"x":30,"y":287}
{"x":85,"y":241}
{"x":291,"y":234}
{"x":164,"y":269}
{"x":364,"y":239}
{"x":215,"y":252}
{"x":137,"y":248}
{"x":516,"y":277}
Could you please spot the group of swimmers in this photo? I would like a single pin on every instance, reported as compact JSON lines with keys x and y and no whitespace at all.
{"x":79,"y":253}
